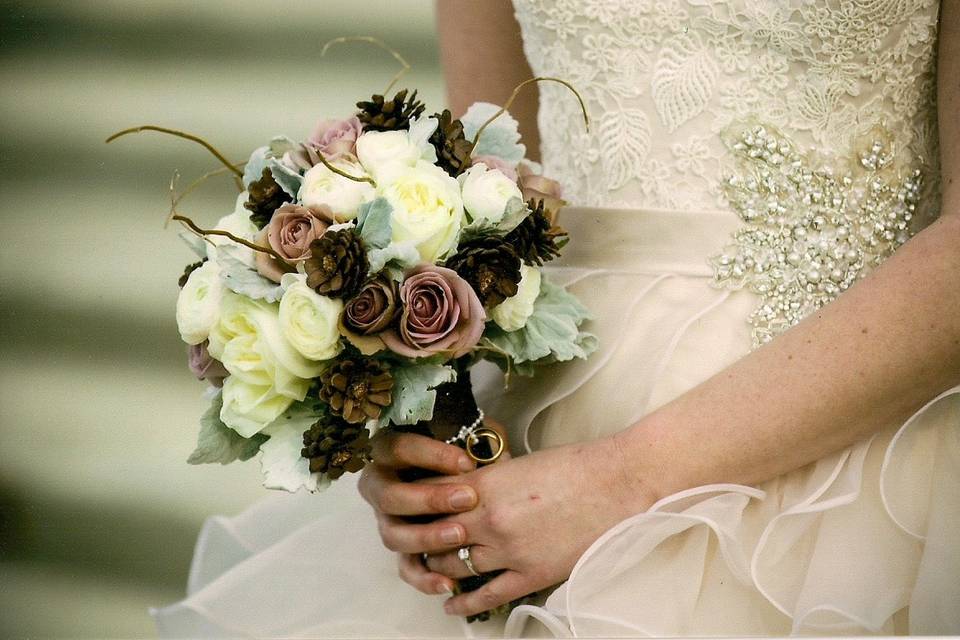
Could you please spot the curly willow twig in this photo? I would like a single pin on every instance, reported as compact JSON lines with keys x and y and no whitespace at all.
{"x":176,"y":198}
{"x":238,"y":175}
{"x":405,"y":66}
{"x":513,"y":96}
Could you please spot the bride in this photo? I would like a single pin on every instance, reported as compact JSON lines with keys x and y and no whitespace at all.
{"x":768,"y":440}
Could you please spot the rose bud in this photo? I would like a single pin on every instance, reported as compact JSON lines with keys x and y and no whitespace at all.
{"x":205,"y":366}
{"x":441,"y":315}
{"x":369,"y":313}
{"x":536,"y":187}
{"x":290,"y":232}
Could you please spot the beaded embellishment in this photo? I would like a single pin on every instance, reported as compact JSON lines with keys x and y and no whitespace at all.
{"x":811,"y":229}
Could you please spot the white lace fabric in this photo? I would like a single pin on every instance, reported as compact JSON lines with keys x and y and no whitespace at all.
{"x":662,"y":79}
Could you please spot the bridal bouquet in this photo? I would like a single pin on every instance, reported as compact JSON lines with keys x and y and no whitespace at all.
{"x":360,"y":274}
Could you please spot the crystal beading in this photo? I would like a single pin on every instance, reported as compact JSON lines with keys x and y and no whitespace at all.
{"x":811,"y":227}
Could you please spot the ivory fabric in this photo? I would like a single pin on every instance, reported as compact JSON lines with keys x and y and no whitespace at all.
{"x":864,"y":541}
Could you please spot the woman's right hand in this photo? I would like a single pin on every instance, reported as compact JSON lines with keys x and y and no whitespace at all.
{"x":394,"y":500}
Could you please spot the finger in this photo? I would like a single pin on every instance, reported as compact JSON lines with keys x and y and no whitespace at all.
{"x":450,"y":564}
{"x":403,"y":450}
{"x":413,"y":572}
{"x":506,"y":587}
{"x":398,"y":498}
{"x":432,"y":537}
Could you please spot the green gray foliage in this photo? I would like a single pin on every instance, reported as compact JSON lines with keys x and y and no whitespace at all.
{"x":218,"y":443}
{"x":288,"y":179}
{"x":551,"y":334}
{"x":414,"y":394}
{"x":501,"y":138}
{"x":373,"y":223}
{"x":240,"y":278}
{"x":253,"y":170}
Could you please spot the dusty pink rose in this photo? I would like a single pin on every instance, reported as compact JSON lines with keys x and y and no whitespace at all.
{"x":290,"y":232}
{"x":441,"y":315}
{"x":334,"y":138}
{"x":501,"y":165}
{"x":205,"y":366}
{"x":540,"y":188}
{"x":369,"y":313}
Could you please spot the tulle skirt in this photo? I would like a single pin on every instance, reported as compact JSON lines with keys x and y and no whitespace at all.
{"x":866,"y":540}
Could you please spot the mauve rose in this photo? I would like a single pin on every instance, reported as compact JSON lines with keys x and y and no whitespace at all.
{"x":540,"y":188}
{"x":493,"y":162}
{"x":441,"y":315}
{"x":205,"y":366}
{"x":369,"y":313}
{"x":291,"y":230}
{"x":334,"y":138}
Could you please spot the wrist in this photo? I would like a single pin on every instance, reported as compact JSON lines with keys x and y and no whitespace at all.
{"x":648,"y":470}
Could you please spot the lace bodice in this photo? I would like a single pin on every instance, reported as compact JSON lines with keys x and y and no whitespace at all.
{"x":664,"y":79}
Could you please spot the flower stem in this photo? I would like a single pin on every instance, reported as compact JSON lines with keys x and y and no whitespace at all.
{"x":238,"y":175}
{"x":513,"y":96}
{"x":219,"y":232}
{"x":405,"y":66}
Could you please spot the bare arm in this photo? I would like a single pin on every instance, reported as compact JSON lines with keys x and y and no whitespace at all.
{"x":483,"y":60}
{"x":867,"y":360}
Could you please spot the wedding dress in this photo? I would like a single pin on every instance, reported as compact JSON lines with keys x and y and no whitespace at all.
{"x":747,"y":161}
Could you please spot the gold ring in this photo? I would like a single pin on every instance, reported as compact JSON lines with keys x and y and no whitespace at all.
{"x":497,"y":444}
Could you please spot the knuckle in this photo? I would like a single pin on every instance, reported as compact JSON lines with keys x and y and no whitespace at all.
{"x":387,"y":499}
{"x":489,"y":597}
{"x":497,"y":520}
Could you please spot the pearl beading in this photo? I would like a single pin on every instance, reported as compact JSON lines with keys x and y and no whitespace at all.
{"x":466,"y":432}
{"x":811,"y":229}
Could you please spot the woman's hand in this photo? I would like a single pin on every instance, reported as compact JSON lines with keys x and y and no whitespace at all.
{"x":537,"y":515}
{"x":393,"y":499}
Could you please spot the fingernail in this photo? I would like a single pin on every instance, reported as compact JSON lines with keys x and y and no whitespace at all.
{"x":465,"y":464}
{"x":462,"y":499}
{"x":443,"y":587}
{"x":448,"y":608}
{"x":451,"y":535}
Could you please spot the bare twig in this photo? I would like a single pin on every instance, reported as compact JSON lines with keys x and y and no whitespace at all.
{"x":405,"y":66}
{"x":219,"y":232}
{"x":343,"y":173}
{"x":238,"y":175}
{"x":513,"y":96}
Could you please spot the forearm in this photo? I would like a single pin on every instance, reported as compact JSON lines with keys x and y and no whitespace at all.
{"x":865,"y":361}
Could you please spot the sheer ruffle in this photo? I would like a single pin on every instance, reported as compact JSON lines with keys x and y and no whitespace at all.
{"x":863,"y":541}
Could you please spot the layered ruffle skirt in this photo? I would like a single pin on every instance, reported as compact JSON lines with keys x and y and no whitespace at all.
{"x":864,"y":541}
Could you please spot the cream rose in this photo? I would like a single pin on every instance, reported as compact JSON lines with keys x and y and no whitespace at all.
{"x":239,"y":224}
{"x":380,"y":150}
{"x":486,"y":192}
{"x":198,"y":306}
{"x":513,"y":313}
{"x":427,"y":209}
{"x":323,"y":188}
{"x":309,"y":321}
{"x":249,"y":342}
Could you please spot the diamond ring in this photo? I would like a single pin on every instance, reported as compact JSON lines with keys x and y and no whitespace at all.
{"x":464,"y":554}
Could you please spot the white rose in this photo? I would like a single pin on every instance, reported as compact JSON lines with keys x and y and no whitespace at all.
{"x":513,"y":313}
{"x":427,"y":209}
{"x":248,"y":409}
{"x":309,"y":320}
{"x":250,"y":344}
{"x":239,"y":224}
{"x":486,"y":192}
{"x":379,"y":150}
{"x":324,"y":188}
{"x":198,"y":305}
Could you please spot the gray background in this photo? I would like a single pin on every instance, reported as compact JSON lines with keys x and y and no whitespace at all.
{"x":98,"y":412}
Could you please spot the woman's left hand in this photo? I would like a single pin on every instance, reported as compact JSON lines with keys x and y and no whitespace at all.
{"x":536,"y":516}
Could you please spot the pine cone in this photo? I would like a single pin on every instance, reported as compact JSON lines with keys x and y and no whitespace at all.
{"x":264,"y":196}
{"x":190,"y":268}
{"x":453,"y":148}
{"x":389,"y":115}
{"x":338,"y":264}
{"x":535,"y":239}
{"x":335,"y":447}
{"x":490,"y":265}
{"x":357,"y":389}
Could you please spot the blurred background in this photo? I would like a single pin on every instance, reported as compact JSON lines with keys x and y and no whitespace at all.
{"x":98,"y":509}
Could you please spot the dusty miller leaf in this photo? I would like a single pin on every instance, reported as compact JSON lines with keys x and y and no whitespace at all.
{"x":240,"y":278}
{"x":219,"y":443}
{"x":288,"y":179}
{"x":551,"y":334}
{"x":395,"y":257}
{"x":501,"y":138}
{"x":373,"y":223}
{"x":253,"y":170}
{"x":281,"y":463}
{"x":197,"y":244}
{"x":414,"y":394}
